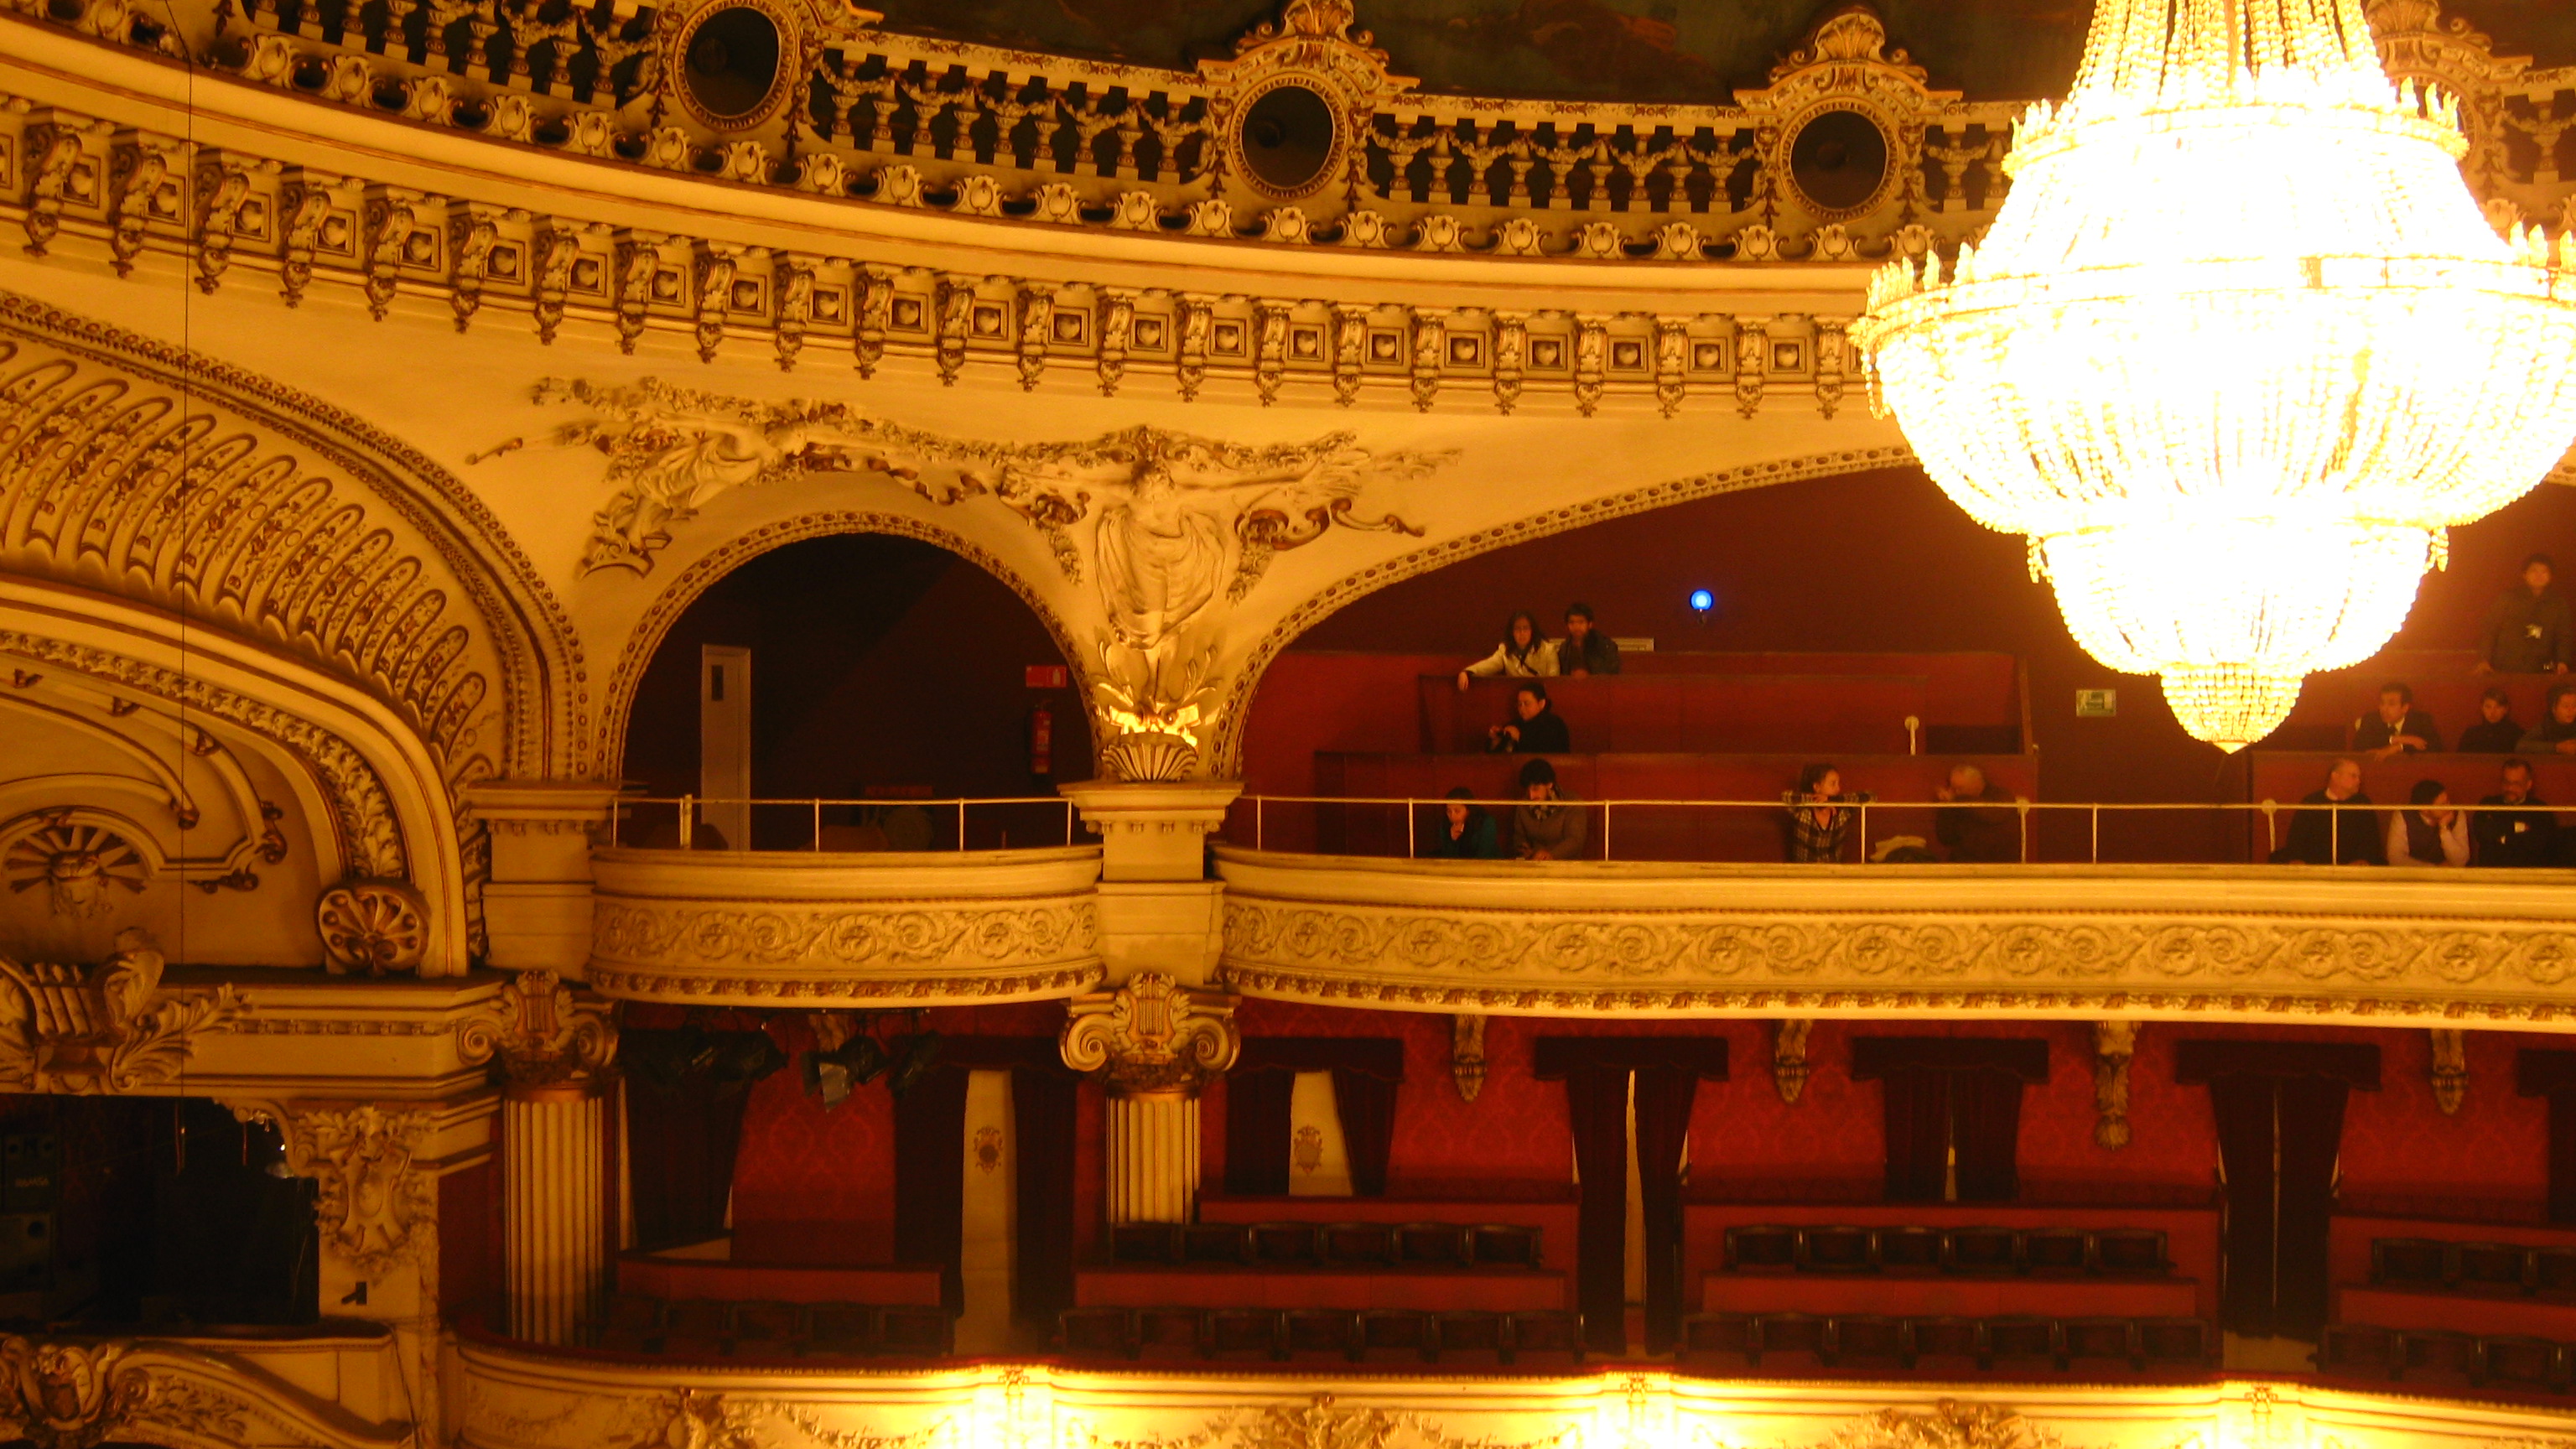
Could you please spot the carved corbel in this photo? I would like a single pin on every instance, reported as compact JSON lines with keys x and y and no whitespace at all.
{"x":1789,"y":1057}
{"x":144,"y":167}
{"x":1269,"y":349}
{"x":472,"y":230}
{"x":558,"y":247}
{"x":1037,"y":315}
{"x":109,"y":1029}
{"x":718,"y":266}
{"x":223,"y":188}
{"x":1467,"y":1053}
{"x":1591,"y":351}
{"x":541,"y":1038}
{"x":639,"y":258}
{"x":1117,"y":318}
{"x":2115,"y":1044}
{"x":1196,"y":314}
{"x":1430,"y":341}
{"x":1672,"y":363}
{"x":1350,"y":350}
{"x":54,"y":151}
{"x":304,"y":204}
{"x":1752,"y":362}
{"x":375,"y":926}
{"x":1511,"y":355}
{"x":2450,"y":1070}
{"x":793,"y":277}
{"x":1833,"y":361}
{"x":953,"y":313}
{"x":876,"y":308}
{"x":1151,"y":1037}
{"x":375,"y":1207}
{"x":392,"y":219}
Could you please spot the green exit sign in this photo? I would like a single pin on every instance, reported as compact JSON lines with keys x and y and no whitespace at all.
{"x":2097,"y":704}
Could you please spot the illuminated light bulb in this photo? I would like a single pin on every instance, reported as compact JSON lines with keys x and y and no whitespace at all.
{"x":2238,"y":347}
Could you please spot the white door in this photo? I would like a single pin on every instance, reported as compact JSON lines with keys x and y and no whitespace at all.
{"x":724,"y":742}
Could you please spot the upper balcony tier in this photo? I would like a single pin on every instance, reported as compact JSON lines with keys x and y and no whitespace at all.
{"x":2148,"y":941}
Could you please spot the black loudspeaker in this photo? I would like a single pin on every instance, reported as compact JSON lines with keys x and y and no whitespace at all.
{"x":731,"y":62}
{"x":1838,"y":160}
{"x":31,"y":1169}
{"x":26,"y":1252}
{"x":1287,"y":137}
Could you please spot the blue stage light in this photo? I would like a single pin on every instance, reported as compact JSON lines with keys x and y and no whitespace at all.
{"x":1701,"y":601}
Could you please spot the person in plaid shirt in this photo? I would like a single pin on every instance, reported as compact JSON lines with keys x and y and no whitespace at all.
{"x":1820,"y":822}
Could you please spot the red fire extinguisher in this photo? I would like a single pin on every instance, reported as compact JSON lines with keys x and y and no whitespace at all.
{"x":1041,"y":741}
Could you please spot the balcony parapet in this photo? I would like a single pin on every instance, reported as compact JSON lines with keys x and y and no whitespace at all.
{"x":2191,"y":942}
{"x":726,"y":928}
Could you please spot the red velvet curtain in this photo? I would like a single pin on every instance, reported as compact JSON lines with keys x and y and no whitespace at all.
{"x":680,"y":1150}
{"x":2552,"y":1074}
{"x":1256,"y":1132}
{"x":2278,"y":1137}
{"x":1365,"y":1103}
{"x":930,"y":1177}
{"x":1985,"y":1132}
{"x":1917,"y":1105}
{"x":1597,"y":1098}
{"x":1043,"y":1124}
{"x":1664,"y":1096}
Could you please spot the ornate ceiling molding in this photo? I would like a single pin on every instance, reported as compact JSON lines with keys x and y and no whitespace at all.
{"x":249,"y":507}
{"x":1226,"y":748}
{"x":2135,"y":943}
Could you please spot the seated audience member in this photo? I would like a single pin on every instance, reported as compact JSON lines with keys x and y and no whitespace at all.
{"x":1547,"y":828}
{"x":2429,"y":831}
{"x":1535,"y":728}
{"x":1902,"y":850}
{"x":1585,"y":649}
{"x":2556,"y":732}
{"x":2335,"y":837}
{"x":1820,"y":817}
{"x":2529,"y":631}
{"x":1467,"y":832}
{"x":2396,"y":726}
{"x":1523,"y":654}
{"x":2518,"y":838}
{"x":1982,"y":834}
{"x":2497,"y":732}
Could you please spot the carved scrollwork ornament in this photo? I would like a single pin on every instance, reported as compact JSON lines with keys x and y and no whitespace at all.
{"x":1467,"y":1053}
{"x":1789,"y":1057}
{"x":109,"y":1029}
{"x":375,"y":926}
{"x":2115,"y":1045}
{"x":375,"y":1207}
{"x":538,"y":1034}
{"x":1152,"y":1036}
{"x":2450,"y":1070}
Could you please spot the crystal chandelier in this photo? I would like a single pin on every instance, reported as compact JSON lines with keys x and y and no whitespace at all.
{"x":2237,"y":351}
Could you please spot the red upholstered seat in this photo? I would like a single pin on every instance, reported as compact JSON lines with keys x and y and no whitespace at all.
{"x":1096,"y":1332}
{"x":1355,"y":1287}
{"x":1393,"y":1335}
{"x":674,"y":1278}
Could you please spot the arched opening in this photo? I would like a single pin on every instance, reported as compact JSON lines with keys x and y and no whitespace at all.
{"x":884,"y":673}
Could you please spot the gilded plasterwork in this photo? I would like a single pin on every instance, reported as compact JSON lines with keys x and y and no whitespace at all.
{"x":919,"y":950}
{"x":109,"y":1028}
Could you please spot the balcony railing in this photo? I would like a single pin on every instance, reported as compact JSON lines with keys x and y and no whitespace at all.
{"x":824,"y":823}
{"x":1750,"y":830}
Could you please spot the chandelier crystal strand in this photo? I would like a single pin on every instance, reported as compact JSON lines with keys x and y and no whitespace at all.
{"x":2237,"y":349}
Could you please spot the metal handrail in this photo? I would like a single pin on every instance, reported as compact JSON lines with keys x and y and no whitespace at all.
{"x":690,"y":805}
{"x":2270,"y":810}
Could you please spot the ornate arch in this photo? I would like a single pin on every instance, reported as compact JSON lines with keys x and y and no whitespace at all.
{"x":618,"y":700}
{"x":382,"y":796}
{"x":1226,"y":751}
{"x":164,"y":476}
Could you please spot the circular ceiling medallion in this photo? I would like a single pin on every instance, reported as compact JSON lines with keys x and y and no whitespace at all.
{"x":1288,"y":139}
{"x":731,"y":64}
{"x":1838,"y":162}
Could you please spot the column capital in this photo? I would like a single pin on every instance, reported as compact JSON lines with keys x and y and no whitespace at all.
{"x":543,"y":1041}
{"x":1152,"y":1037}
{"x":1152,"y":832}
{"x":541,"y":805}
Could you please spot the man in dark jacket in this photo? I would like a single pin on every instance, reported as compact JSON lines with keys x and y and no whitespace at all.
{"x":2397,"y":726}
{"x":2517,"y":839}
{"x":1978,"y":834}
{"x":2348,"y":836}
{"x":1585,"y":650}
{"x":1535,"y":728}
{"x":2530,"y":630}
{"x":2497,"y":732}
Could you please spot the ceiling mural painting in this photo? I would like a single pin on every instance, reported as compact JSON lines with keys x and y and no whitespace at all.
{"x":1630,"y":50}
